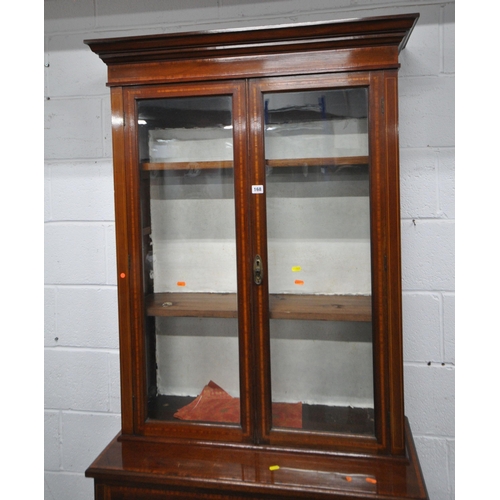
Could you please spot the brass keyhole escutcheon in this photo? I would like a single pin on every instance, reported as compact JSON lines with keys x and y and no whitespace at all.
{"x":257,"y":270}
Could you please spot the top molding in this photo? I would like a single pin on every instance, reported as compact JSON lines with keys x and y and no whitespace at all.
{"x":353,"y":33}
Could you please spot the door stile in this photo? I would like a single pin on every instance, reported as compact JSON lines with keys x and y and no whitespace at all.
{"x":139,"y":371}
{"x":122,"y":253}
{"x":386,"y":259}
{"x":379,"y":262}
{"x":244,"y":257}
{"x":395,"y":328}
{"x":260,"y":310}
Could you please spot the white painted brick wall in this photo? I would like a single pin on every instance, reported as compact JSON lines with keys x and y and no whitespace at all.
{"x":81,"y":335}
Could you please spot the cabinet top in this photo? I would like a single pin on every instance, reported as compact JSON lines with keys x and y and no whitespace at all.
{"x":345,"y":34}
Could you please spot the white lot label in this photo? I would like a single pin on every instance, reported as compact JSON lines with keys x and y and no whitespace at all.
{"x":257,"y":189}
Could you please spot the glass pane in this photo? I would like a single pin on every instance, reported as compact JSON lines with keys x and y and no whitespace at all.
{"x":188,"y":214}
{"x":318,"y":209}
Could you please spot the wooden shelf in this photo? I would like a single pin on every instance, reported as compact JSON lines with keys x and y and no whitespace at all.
{"x":186,"y":165}
{"x":321,"y":307}
{"x":282,"y":306}
{"x":318,"y":162}
{"x":206,"y":305}
{"x":278,"y":163}
{"x":315,"y":417}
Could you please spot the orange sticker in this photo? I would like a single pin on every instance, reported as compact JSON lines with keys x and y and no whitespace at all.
{"x":122,"y":275}
{"x":371,"y":480}
{"x":181,"y":283}
{"x":348,"y":478}
{"x":299,"y":282}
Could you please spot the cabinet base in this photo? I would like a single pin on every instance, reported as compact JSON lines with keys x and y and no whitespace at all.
{"x":138,"y":470}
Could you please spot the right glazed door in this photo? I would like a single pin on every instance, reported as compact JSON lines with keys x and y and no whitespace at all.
{"x":313,"y":164}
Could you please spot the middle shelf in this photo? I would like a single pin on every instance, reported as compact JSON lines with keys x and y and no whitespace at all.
{"x":282,"y":306}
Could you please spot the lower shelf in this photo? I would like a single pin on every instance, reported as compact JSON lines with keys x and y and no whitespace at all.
{"x":135,"y":469}
{"x":336,"y":419}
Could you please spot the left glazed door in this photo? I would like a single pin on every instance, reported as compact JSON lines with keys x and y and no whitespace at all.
{"x":185,"y":165}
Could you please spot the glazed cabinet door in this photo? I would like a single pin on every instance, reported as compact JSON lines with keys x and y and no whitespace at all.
{"x":263,"y":243}
{"x":319,"y":153}
{"x":185,"y":173}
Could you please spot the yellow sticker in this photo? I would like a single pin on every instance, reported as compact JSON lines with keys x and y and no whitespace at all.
{"x":274,"y":467}
{"x":296,"y":269}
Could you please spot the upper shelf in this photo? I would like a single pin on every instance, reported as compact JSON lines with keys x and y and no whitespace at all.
{"x":292,"y":162}
{"x":282,"y":306}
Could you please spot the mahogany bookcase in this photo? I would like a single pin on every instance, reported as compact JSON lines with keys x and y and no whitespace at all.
{"x":258,"y":258}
